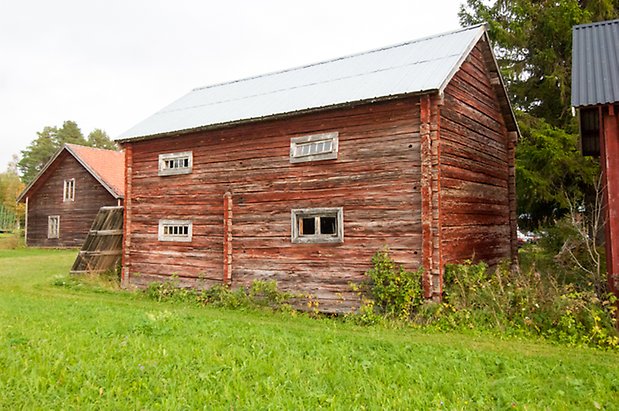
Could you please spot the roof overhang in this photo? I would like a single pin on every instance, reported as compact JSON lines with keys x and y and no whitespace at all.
{"x":278,"y":116}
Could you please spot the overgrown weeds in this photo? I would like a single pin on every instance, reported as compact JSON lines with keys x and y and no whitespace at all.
{"x":260,"y":294}
{"x":527,"y":302}
{"x":496,"y":300}
{"x":98,"y":282}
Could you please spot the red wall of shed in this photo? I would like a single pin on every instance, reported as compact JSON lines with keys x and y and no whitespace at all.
{"x":610,"y":169}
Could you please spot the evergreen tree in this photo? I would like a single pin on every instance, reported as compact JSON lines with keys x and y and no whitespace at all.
{"x":69,"y":133}
{"x":37,"y":154}
{"x":99,"y":139}
{"x":533,"y":44}
{"x":50,"y":139}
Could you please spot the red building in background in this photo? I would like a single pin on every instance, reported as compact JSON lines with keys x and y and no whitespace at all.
{"x":595,"y":93}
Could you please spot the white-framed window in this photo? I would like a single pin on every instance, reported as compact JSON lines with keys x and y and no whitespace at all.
{"x":53,"y":226}
{"x":69,"y":190}
{"x":175,"y":163}
{"x":317,"y":225}
{"x":175,"y":230}
{"x":314,"y":147}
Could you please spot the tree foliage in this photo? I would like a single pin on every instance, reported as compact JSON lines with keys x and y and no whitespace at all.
{"x":533,"y":44}
{"x":99,"y":139}
{"x":551,"y":174}
{"x":533,"y":41}
{"x":10,"y":187}
{"x":50,"y":139}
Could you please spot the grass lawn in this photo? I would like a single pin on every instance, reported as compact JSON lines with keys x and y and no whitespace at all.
{"x":68,"y":348}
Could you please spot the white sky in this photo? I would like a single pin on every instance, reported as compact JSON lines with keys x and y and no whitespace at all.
{"x":111,"y":63}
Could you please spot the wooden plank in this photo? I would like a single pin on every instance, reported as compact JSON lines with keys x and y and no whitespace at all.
{"x":102,"y":248}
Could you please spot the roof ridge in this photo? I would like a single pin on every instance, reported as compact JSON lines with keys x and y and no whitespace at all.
{"x":447,"y":33}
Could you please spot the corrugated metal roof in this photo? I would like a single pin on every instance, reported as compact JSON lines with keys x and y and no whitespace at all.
{"x":408,"y":68}
{"x":595,"y":63}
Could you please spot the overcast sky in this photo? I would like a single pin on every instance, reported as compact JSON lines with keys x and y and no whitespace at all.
{"x":111,"y":63}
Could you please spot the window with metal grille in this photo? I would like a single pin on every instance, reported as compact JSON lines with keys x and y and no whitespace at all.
{"x":317,"y":225}
{"x":175,"y":230}
{"x":53,"y":226}
{"x":314,"y":147}
{"x":69,"y":190}
{"x":175,"y":163}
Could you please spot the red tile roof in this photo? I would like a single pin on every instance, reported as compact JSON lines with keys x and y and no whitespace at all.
{"x":106,"y":165}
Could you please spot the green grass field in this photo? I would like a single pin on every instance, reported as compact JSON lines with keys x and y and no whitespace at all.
{"x":72,"y":348}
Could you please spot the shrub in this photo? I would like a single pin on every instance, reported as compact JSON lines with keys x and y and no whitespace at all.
{"x":394,"y":292}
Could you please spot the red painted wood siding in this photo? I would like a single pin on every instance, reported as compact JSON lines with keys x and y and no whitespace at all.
{"x":76,"y":216}
{"x":475,"y":162}
{"x":375,"y":179}
{"x":610,"y":166}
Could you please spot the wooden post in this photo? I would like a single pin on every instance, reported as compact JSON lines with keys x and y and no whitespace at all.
{"x":427,"y":246}
{"x":124,"y":279}
{"x":610,"y":169}
{"x":227,"y":268}
{"x":436,"y":283}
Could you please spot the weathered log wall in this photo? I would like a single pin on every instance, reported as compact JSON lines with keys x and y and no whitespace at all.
{"x":476,"y":159}
{"x":375,"y":179}
{"x":76,"y":216}
{"x":431,"y":177}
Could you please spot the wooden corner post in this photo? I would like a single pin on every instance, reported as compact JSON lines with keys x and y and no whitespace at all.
{"x":431,"y":253}
{"x":124,"y":277}
{"x":227,"y":268}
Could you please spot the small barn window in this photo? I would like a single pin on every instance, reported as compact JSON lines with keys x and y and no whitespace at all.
{"x":318,"y":225}
{"x":175,"y":230}
{"x":175,"y":163}
{"x":53,"y":226}
{"x":590,"y":131}
{"x":314,"y":147}
{"x":69,"y":190}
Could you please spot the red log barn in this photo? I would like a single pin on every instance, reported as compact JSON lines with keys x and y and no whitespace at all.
{"x":301,"y":175}
{"x":595,"y":93}
{"x":63,"y":199}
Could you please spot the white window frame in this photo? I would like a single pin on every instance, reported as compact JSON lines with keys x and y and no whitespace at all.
{"x":297,"y":214}
{"x":185,"y":238}
{"x":296,"y":142}
{"x":68,"y":191}
{"x":53,"y":230}
{"x":164,"y":170}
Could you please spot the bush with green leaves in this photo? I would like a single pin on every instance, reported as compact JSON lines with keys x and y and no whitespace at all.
{"x":393,"y":291}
